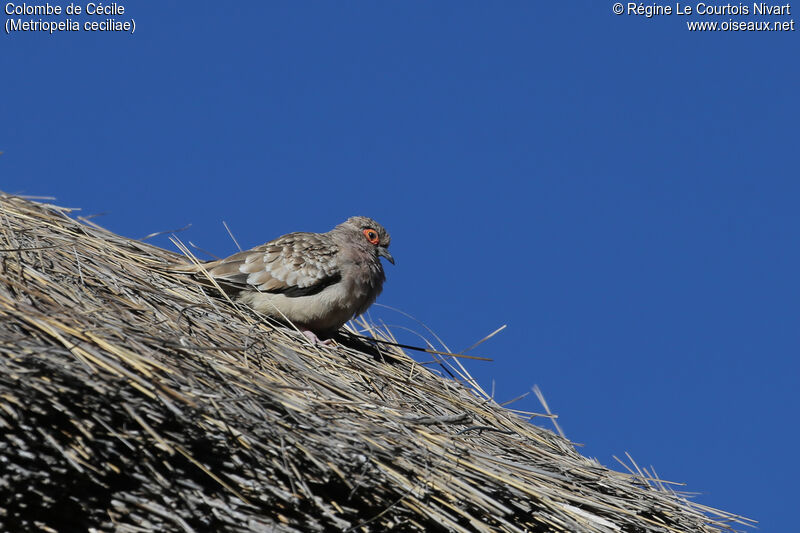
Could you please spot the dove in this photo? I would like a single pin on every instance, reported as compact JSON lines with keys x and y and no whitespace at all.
{"x":315,"y":281}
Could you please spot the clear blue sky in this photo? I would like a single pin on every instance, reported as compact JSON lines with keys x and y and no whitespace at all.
{"x":620,"y":191}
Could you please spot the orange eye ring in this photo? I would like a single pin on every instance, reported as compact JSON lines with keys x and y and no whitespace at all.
{"x":371,"y":235}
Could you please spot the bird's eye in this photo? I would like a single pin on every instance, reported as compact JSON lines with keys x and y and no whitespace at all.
{"x":371,"y":235}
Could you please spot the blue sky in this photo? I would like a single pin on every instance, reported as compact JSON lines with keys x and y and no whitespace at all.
{"x":623,"y":193}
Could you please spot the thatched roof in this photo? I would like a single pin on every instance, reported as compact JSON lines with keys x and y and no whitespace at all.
{"x":133,"y":398}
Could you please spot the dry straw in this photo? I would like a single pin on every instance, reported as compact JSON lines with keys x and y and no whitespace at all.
{"x":133,"y":398}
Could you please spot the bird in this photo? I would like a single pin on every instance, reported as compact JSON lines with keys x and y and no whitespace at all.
{"x":314,"y":281}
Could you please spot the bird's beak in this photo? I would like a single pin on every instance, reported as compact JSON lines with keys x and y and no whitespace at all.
{"x":383,"y":252}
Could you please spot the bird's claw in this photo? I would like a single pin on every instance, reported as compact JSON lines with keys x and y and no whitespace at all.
{"x":314,"y":340}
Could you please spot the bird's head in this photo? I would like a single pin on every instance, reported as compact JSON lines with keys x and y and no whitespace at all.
{"x":369,"y":232}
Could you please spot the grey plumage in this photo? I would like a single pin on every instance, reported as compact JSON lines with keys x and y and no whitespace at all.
{"x":317,"y":281}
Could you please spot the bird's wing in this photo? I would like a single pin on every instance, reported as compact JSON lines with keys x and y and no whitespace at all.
{"x":296,"y":264}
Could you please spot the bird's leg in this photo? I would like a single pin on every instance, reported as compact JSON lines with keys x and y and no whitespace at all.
{"x":313,"y":339}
